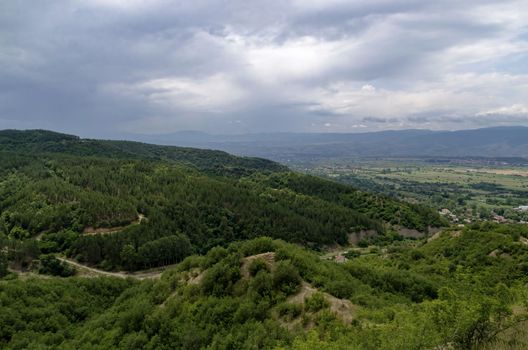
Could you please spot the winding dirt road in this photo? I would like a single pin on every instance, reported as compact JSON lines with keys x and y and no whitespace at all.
{"x":140,"y":275}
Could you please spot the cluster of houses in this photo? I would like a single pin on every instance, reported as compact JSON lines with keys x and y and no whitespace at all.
{"x":496,"y":218}
{"x":447,"y":213}
{"x":341,"y":258}
{"x":500,"y":219}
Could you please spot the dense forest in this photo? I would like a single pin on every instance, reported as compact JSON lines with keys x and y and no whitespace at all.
{"x":119,"y":245}
{"x":463,"y":289}
{"x":120,"y":205}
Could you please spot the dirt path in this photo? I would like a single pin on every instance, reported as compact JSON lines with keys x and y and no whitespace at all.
{"x":107,"y":230}
{"x":140,"y":275}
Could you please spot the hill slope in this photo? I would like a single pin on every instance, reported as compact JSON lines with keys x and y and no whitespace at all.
{"x":130,"y":205}
{"x":449,"y":292}
{"x":216,"y":162}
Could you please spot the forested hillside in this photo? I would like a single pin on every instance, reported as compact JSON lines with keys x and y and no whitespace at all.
{"x":124,"y":205}
{"x":215,"y":162}
{"x":462,"y":289}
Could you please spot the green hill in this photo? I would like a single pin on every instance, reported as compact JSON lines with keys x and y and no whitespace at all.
{"x":116,"y":204}
{"x":244,"y":235}
{"x":458,"y":290}
{"x":216,"y":162}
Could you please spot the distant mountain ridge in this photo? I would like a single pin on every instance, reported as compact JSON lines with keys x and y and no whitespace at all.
{"x":486,"y":142}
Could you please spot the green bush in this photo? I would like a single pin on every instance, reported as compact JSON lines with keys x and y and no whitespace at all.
{"x":342,"y":289}
{"x":213,"y":256}
{"x":257,"y":265}
{"x":363,"y":243}
{"x":220,"y":279}
{"x":316,"y":302}
{"x":50,"y":265}
{"x":258,"y":246}
{"x":3,"y":264}
{"x":286,"y":278}
{"x":289,"y":311}
{"x":262,"y":284}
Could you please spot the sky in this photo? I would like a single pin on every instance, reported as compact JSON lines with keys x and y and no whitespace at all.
{"x":104,"y":68}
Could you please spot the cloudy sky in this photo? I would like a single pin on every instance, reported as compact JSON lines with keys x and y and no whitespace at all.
{"x":117,"y":67}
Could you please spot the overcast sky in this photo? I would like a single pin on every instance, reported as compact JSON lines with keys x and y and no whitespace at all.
{"x":111,"y":67}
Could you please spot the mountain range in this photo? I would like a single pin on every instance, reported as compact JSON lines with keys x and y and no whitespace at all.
{"x":499,"y":142}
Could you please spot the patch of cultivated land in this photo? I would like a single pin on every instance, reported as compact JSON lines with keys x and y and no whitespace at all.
{"x":508,"y":178}
{"x":471,"y":192}
{"x":515,"y":172}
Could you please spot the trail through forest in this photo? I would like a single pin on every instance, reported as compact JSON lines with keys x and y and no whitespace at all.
{"x":140,"y":275}
{"x":106,"y":230}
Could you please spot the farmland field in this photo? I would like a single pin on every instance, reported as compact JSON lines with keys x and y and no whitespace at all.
{"x":469,"y":190}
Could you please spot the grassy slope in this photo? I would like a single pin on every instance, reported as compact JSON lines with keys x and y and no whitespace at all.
{"x":413,"y":295}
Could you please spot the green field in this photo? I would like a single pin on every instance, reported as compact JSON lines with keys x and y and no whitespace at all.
{"x":470,"y":191}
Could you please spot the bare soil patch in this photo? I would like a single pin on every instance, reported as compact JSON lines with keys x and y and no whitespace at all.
{"x":268,"y":258}
{"x":343,"y":308}
{"x":355,"y":237}
{"x":196,"y":276}
{"x":434,"y":237}
{"x":456,"y":234}
{"x":89,"y":230}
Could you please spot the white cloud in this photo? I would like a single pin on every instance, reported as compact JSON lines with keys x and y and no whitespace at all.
{"x":513,"y":110}
{"x":368,"y":87}
{"x":119,"y":4}
{"x":276,"y":66}
{"x":301,"y":58}
{"x":216,"y":93}
{"x":462,"y":96}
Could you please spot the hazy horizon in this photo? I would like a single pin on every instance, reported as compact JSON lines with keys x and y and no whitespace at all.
{"x":130,"y":136}
{"x":114,"y":68}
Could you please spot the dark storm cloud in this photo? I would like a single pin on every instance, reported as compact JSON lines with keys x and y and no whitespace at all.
{"x":108,"y":67}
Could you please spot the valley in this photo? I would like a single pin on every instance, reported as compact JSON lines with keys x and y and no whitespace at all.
{"x":263,"y":175}
{"x":112,"y":244}
{"x":463,"y":190}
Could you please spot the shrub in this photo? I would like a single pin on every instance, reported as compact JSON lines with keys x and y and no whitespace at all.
{"x":286,"y":278}
{"x":352,"y":254}
{"x":258,"y":245}
{"x":363,"y":243}
{"x":3,"y":264}
{"x":262,"y":284}
{"x":256,"y":266}
{"x":289,"y":310}
{"x":213,"y":256}
{"x":50,"y":265}
{"x":341,"y":288}
{"x":219,"y":279}
{"x":316,"y":302}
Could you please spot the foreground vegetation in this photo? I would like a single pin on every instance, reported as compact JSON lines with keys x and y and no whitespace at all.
{"x":461,"y":290}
